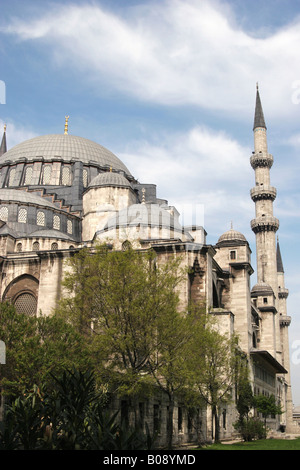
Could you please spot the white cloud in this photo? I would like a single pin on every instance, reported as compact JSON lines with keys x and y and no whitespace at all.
{"x":172,"y":52}
{"x":200,"y":166}
{"x":16,"y":133}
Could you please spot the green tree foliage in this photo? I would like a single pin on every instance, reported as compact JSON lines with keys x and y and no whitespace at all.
{"x":35,"y":347}
{"x":70,"y":416}
{"x":245,"y":398}
{"x":214,"y":369}
{"x":119,"y":299}
{"x":267,"y":406}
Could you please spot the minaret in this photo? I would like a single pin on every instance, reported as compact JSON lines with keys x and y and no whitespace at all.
{"x":3,"y":147}
{"x":285,"y":322}
{"x":265,"y":225}
{"x":270,"y":273}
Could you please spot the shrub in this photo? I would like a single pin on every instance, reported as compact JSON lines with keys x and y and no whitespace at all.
{"x":251,"y":429}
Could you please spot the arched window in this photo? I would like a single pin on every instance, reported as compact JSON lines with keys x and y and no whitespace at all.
{"x":56,"y":222}
{"x":4,"y":214}
{"x":28,"y":175}
{"x":12,"y":175}
{"x":22,"y":216}
{"x":69,"y":227}
{"x":19,"y":247}
{"x":40,"y":218}
{"x":126,"y":245}
{"x":35,"y":246}
{"x":26,"y":303}
{"x":65,"y":176}
{"x":54,"y":246}
{"x":47,"y":174}
{"x":85,"y":177}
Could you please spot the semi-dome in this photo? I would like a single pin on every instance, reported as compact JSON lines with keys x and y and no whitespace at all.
{"x":65,"y":146}
{"x":153,"y":221}
{"x":24,"y":197}
{"x":232,"y":236}
{"x":110,"y":178}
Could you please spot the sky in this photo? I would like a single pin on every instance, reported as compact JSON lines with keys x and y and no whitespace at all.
{"x":169,"y":87}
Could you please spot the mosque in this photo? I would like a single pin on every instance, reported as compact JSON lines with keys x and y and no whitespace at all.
{"x":60,"y":192}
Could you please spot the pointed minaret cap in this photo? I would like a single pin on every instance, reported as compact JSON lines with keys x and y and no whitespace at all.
{"x":279,"y":259}
{"x":259,"y":120}
{"x":3,"y":147}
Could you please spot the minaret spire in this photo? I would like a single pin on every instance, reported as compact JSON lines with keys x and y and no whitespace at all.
{"x":259,"y":120}
{"x":279,"y":259}
{"x":3,"y":147}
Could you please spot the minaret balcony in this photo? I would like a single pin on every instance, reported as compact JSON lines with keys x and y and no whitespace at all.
{"x":283,"y":293}
{"x":263,"y":192}
{"x":285,"y":320}
{"x":265,"y":223}
{"x":261,"y":159}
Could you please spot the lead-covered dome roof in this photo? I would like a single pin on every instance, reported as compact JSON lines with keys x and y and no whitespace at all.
{"x":110,"y":178}
{"x":232,"y":236}
{"x":67,"y":147}
{"x":261,"y":288}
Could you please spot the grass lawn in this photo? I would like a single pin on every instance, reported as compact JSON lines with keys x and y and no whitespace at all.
{"x":264,"y":444}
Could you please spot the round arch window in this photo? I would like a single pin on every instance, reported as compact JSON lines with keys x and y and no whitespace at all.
{"x":26,"y":303}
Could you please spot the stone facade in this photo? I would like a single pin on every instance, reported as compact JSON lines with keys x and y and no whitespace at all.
{"x":59,"y":193}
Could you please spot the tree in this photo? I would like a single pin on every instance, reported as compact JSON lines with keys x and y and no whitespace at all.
{"x":170,"y":363}
{"x":246,"y":425}
{"x":214,"y":370}
{"x":119,"y":299}
{"x":35,"y":347}
{"x":267,"y":406}
{"x":244,"y":393}
{"x":69,"y":416}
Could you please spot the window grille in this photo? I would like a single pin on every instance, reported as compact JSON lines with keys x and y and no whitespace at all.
{"x":56,"y":222}
{"x":28,"y":175}
{"x":126,"y":245}
{"x":69,"y":227}
{"x":22,"y":216}
{"x":65,"y":177}
{"x":36,"y":246}
{"x":4,"y":214}
{"x":40,"y":218}
{"x":47,"y":174}
{"x":26,"y":303}
{"x":12,"y":175}
{"x":85,"y":178}
{"x":54,"y":246}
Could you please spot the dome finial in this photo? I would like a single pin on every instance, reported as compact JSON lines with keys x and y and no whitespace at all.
{"x":66,"y":124}
{"x":143,"y":196}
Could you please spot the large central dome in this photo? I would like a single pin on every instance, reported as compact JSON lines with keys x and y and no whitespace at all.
{"x":67,"y":147}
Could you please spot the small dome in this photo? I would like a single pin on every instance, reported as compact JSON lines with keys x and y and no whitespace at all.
{"x":110,"y":178}
{"x":232,"y":236}
{"x":261,"y":288}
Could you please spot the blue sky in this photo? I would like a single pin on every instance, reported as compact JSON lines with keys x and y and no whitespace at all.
{"x":169,"y":87}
